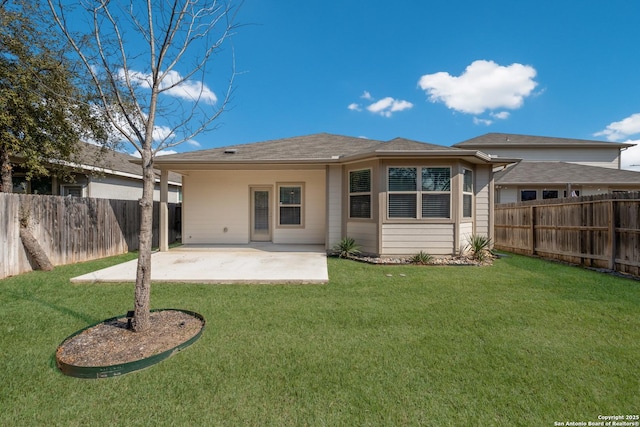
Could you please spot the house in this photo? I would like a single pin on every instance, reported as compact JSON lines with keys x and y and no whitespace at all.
{"x":554,"y":167}
{"x":98,"y":172}
{"x":394,"y":198}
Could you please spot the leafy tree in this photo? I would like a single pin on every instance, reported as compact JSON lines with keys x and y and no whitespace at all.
{"x":43,"y":112}
{"x":147,"y":61}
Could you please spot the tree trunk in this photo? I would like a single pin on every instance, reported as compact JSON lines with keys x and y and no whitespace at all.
{"x":35,"y":251}
{"x":142,"y":300}
{"x":6,"y":185}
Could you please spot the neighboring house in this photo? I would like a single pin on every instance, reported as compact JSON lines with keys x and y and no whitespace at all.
{"x":394,"y":198}
{"x":554,"y":167}
{"x":99,"y":173}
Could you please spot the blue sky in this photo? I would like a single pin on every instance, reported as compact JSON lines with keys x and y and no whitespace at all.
{"x":434,"y":71}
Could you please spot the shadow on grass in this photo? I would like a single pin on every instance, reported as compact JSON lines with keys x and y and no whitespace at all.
{"x":64,"y":310}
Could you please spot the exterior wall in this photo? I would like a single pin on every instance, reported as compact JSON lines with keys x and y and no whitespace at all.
{"x":483,"y":202}
{"x":511,"y":194}
{"x":334,"y":205}
{"x":466,"y":231}
{"x":365,"y":235}
{"x":120,"y":188}
{"x":216,"y":206}
{"x":409,"y":239}
{"x":602,"y":157}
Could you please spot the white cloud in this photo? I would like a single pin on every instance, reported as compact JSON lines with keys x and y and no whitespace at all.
{"x":387,"y":106}
{"x":630,"y":158}
{"x":354,"y":107}
{"x":502,"y":115}
{"x":165,"y":152}
{"x":190,"y":90}
{"x":622,"y":129}
{"x":162,"y":133}
{"x":193,"y":143}
{"x":484,"y":85}
{"x":477,"y":121}
{"x":366,"y":95}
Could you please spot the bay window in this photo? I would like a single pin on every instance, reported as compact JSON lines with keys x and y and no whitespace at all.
{"x":360,"y":193}
{"x":432,"y":193}
{"x":467,"y":194}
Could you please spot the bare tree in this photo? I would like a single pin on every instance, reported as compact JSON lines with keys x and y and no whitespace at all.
{"x":148,"y":61}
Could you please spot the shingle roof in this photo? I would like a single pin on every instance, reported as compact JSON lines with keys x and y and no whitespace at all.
{"x":529,"y":172}
{"x":317,"y":147}
{"x":514,"y":140}
{"x":105,"y":160}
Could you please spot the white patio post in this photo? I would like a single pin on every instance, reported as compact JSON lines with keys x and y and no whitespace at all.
{"x":164,"y":211}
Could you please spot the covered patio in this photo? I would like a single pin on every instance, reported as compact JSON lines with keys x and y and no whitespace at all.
{"x":257,"y":263}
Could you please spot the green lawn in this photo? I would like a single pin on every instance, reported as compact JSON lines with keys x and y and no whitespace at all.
{"x":523,"y":342}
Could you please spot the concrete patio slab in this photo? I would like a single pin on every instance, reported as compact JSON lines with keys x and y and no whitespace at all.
{"x":250,"y":264}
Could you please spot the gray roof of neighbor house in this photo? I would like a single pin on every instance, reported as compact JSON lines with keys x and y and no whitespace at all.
{"x":513,"y":140}
{"x":317,"y":148}
{"x":534,"y":173}
{"x":104,"y":160}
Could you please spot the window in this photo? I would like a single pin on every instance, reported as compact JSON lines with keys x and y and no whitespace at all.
{"x":550,"y":194}
{"x":433,"y":195}
{"x":71,"y":190}
{"x":528,"y":195}
{"x":360,"y":193}
{"x":467,"y":194}
{"x":402,"y":192}
{"x":290,"y":208}
{"x":436,"y":196}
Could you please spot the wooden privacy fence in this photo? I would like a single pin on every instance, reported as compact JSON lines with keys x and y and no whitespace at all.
{"x":599,"y":231}
{"x":71,"y":229}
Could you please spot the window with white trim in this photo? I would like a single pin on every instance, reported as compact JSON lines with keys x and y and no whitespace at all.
{"x":467,"y":193}
{"x":290,"y":204}
{"x":360,"y":193}
{"x":432,"y":193}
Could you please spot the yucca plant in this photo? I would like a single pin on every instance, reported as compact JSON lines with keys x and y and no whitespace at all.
{"x":421,"y":258}
{"x":479,"y":246}
{"x":347,"y":247}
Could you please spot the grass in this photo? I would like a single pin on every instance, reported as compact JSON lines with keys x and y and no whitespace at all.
{"x":524,"y":342}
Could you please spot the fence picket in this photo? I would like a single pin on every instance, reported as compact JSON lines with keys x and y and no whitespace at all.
{"x":72,"y":229}
{"x":600,"y":231}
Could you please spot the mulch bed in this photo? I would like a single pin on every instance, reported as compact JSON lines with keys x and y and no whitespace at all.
{"x":112,"y":343}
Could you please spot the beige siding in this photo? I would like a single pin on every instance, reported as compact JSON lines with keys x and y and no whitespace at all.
{"x":121,"y":188}
{"x":466,"y":231}
{"x":364,"y":234}
{"x":409,"y":239}
{"x":334,"y":205}
{"x":216,"y":206}
{"x":482,"y":201}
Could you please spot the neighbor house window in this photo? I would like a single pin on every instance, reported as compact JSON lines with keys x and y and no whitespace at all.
{"x":528,"y":195}
{"x":467,"y":194}
{"x":550,"y":194}
{"x":432,"y":193}
{"x":290,"y":206}
{"x":360,"y":193}
{"x":71,"y":190}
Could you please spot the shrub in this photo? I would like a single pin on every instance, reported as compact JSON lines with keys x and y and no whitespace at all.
{"x":479,"y":246}
{"x":421,"y":258}
{"x":347,"y":248}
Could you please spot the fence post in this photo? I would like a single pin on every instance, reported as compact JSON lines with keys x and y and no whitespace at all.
{"x":612,"y":236}
{"x":532,"y":230}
